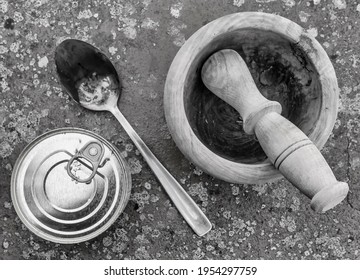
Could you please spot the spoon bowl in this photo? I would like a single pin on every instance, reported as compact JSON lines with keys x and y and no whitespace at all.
{"x":91,"y":79}
{"x":88,"y":75}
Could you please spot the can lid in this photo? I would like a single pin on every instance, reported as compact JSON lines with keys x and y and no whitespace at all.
{"x":69,"y":185}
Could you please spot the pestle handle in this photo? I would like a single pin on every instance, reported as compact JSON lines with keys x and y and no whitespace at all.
{"x":225,"y":73}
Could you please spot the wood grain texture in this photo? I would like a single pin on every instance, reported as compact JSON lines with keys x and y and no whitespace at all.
{"x":188,"y":62}
{"x":299,"y":161}
{"x":250,"y":106}
{"x":288,"y":148}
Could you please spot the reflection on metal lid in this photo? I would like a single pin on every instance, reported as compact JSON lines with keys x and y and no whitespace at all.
{"x":69,"y":185}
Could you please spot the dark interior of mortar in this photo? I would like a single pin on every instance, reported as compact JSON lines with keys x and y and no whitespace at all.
{"x":281,"y":71}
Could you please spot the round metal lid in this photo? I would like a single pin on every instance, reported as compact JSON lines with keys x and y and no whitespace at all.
{"x":69,"y":185}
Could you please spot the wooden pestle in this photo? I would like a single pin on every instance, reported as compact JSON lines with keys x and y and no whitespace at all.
{"x":225,"y":73}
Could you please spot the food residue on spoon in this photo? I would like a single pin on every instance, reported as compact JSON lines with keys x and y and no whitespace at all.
{"x":95,"y":89}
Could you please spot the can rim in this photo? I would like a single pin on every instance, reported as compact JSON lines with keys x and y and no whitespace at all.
{"x":23,"y":216}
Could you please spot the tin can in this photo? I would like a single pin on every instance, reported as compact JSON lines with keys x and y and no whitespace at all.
{"x":69,"y":185}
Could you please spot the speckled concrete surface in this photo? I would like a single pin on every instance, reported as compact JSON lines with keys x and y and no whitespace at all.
{"x":271,"y":221}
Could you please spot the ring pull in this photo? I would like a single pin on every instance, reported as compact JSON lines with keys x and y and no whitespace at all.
{"x":92,"y":152}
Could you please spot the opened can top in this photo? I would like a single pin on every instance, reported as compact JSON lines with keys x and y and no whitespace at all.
{"x":69,"y":185}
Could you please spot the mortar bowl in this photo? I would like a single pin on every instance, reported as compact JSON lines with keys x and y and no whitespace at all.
{"x":287,"y":64}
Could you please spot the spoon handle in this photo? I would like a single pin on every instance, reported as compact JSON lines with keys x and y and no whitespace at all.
{"x":183,"y":202}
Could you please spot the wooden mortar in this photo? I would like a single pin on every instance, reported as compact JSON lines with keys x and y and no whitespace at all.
{"x":287,"y":65}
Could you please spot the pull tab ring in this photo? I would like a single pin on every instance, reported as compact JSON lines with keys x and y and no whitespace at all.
{"x":93,"y":152}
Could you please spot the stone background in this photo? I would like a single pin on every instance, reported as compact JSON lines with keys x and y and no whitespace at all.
{"x":271,"y":221}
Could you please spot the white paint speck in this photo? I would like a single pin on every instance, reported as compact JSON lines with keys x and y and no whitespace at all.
{"x":113,"y":33}
{"x":326,"y":45}
{"x":39,"y":3}
{"x":18,"y":17}
{"x":36,"y":82}
{"x":4,"y":72}
{"x":238,"y":3}
{"x":146,"y":3}
{"x":175,"y":9}
{"x":14,"y":47}
{"x":113,"y":50}
{"x":313,"y":32}
{"x":358,"y":7}
{"x":43,"y":62}
{"x":289,"y":3}
{"x":32,"y":37}
{"x":45,"y":113}
{"x":4,"y":5}
{"x":340,"y":4}
{"x":7,"y":205}
{"x":86,"y":14}
{"x":129,"y":27}
{"x":303,"y":16}
{"x":148,"y":23}
{"x":3,"y":49}
{"x":5,"y":244}
{"x":317,"y":2}
{"x":135,"y":165}
{"x":9,"y":168}
{"x":355,"y":59}
{"x":178,"y":36}
{"x":44,"y":22}
{"x":130,"y":32}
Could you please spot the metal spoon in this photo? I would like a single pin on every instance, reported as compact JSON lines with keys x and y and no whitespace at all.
{"x":90,"y":79}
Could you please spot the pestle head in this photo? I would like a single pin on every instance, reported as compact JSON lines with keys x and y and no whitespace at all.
{"x":328,"y":198}
{"x":226,"y":74}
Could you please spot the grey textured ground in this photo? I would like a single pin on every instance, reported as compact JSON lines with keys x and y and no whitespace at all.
{"x":141,"y":37}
